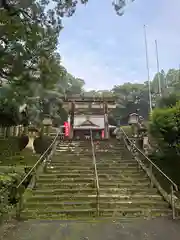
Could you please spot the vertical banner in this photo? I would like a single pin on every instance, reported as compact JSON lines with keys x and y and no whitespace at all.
{"x":102,"y":134}
{"x":66,"y":126}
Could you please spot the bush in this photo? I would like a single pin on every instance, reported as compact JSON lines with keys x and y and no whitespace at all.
{"x":165,"y":129}
{"x":10,"y":155}
{"x":163,"y":126}
{"x":8,"y":193}
{"x":23,"y":142}
{"x":9,"y":180}
{"x":9,"y":147}
{"x":41,"y":144}
{"x":169,"y":101}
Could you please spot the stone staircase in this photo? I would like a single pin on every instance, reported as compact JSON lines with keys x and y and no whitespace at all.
{"x":67,"y":189}
{"x":125,"y":189}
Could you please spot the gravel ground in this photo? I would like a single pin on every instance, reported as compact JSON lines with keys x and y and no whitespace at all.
{"x":157,"y":229}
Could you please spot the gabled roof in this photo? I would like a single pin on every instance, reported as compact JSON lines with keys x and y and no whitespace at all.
{"x":87,"y":123}
{"x":93,"y":120}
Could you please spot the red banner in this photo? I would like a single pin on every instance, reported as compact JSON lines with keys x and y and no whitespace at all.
{"x":66,"y":126}
{"x":102,"y":134}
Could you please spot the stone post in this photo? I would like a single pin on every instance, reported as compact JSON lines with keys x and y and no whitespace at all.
{"x":47,"y":124}
{"x":106,"y":129}
{"x":71,"y":124}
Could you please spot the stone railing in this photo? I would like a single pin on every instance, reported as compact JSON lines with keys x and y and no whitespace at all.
{"x":168,"y":189}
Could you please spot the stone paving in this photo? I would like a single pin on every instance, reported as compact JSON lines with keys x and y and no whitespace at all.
{"x":158,"y":229}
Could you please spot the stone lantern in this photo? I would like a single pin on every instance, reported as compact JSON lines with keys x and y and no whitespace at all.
{"x":133,"y":122}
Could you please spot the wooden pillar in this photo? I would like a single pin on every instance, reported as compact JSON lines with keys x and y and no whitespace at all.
{"x":71,"y":119}
{"x":106,"y":129}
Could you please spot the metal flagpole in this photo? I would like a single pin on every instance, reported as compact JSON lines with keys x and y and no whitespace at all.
{"x":179,"y":72}
{"x":159,"y":79}
{"x":148,"y":75}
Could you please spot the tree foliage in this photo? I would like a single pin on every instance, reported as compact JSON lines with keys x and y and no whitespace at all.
{"x":31,"y":65}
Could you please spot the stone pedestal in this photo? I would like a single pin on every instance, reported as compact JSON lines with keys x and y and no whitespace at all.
{"x":47,"y":125}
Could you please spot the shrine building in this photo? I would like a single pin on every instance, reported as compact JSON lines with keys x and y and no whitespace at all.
{"x":89,"y":113}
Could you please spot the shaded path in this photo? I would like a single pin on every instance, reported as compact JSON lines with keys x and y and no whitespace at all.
{"x":55,"y":230}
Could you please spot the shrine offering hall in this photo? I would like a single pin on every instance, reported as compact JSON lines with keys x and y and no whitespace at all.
{"x":88,"y":115}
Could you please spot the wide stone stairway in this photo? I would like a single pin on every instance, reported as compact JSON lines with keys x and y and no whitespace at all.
{"x":125,"y":191}
{"x":68,"y":190}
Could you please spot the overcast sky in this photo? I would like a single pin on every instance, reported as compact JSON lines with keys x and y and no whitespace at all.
{"x":105,"y":49}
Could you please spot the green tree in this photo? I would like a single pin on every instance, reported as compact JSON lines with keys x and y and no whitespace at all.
{"x":57,"y":8}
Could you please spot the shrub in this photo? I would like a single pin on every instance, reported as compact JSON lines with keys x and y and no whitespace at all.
{"x":41,"y":144}
{"x":9,"y":179}
{"x":8,"y":193}
{"x":165,"y":128}
{"x":23,"y":142}
{"x":9,"y":147}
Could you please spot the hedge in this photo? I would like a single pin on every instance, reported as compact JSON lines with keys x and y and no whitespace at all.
{"x":164,"y":126}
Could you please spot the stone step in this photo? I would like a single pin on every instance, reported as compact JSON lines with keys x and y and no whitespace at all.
{"x":103,"y":185}
{"x":53,"y":171}
{"x":129,"y":191}
{"x":71,"y":163}
{"x":80,"y":219}
{"x":103,"y":153}
{"x":73,"y":150}
{"x":105,"y":212}
{"x":66,"y":180}
{"x":123,"y":179}
{"x":124,"y":184}
{"x":73,"y":158}
{"x":121,"y":173}
{"x":70,"y":167}
{"x":64,"y":163}
{"x":73,"y":153}
{"x":113,"y":149}
{"x":64,"y":213}
{"x":63,"y":175}
{"x":118,"y":164}
{"x":75,"y":177}
{"x":101,"y":168}
{"x":91,"y":197}
{"x":89,"y":160}
{"x":118,"y":161}
{"x":121,"y":169}
{"x":138,"y":212}
{"x":103,"y":176}
{"x":102,"y":204}
{"x":88,"y":143}
{"x":75,"y":144}
{"x":70,"y":158}
{"x":78,"y":148}
{"x":47,"y":191}
{"x":64,"y":185}
{"x":88,"y":189}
